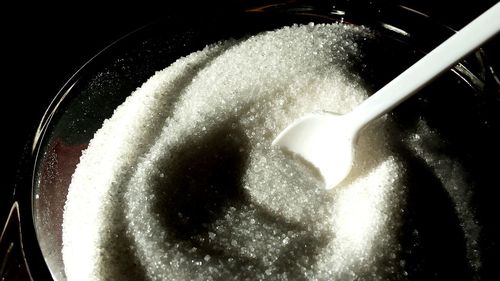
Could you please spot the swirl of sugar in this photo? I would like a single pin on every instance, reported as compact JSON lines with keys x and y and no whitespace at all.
{"x":181,"y":184}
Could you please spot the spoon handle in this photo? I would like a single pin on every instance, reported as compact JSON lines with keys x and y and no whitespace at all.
{"x":429,"y":67}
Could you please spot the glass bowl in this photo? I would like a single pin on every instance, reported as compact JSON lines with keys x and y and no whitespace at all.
{"x":462,"y":105}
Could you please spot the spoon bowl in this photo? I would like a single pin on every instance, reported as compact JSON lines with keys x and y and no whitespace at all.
{"x":333,"y":133}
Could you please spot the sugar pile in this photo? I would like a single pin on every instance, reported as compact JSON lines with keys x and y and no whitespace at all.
{"x":182,"y":184}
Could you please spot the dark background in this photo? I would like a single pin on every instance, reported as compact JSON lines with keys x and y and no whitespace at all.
{"x":42,"y":46}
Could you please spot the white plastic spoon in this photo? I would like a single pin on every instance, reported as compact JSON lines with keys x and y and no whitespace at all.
{"x":327,"y":140}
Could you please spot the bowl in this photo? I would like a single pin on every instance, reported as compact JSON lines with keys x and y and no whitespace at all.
{"x":454,"y":221}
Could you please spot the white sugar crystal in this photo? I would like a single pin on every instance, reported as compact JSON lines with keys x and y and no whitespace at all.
{"x":182,"y":184}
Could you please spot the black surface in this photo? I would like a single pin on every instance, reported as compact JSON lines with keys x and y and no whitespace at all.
{"x":42,"y":46}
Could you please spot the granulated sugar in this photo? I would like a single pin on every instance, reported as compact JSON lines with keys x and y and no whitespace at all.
{"x":182,"y":184}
